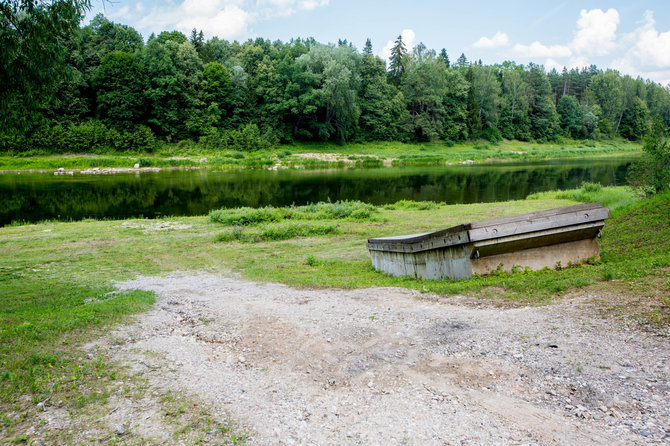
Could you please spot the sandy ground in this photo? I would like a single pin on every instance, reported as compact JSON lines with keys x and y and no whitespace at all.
{"x":392,"y":366}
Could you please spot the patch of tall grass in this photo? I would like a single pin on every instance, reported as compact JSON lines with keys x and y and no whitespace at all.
{"x":246,"y":216}
{"x":610,"y":196}
{"x":277,"y":231}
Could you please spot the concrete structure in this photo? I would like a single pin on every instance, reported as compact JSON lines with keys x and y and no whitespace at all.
{"x":536,"y":240}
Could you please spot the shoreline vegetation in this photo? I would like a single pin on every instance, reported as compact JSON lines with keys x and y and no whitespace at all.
{"x":318,"y":155}
{"x":57,"y":289}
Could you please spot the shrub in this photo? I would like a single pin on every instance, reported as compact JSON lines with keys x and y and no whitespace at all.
{"x":246,"y":216}
{"x":652,"y":173}
{"x":409,"y":204}
{"x":277,"y":231}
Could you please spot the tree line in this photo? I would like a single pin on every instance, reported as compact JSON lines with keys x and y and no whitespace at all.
{"x":122,"y":93}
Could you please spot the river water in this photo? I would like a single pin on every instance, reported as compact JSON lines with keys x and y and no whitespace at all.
{"x":31,"y":197}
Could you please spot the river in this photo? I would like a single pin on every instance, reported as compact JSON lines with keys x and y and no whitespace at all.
{"x":32,"y":197}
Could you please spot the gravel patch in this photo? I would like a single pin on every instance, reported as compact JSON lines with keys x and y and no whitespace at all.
{"x":394,"y":366}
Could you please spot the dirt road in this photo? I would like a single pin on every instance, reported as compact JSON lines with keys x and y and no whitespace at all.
{"x":393,"y":366}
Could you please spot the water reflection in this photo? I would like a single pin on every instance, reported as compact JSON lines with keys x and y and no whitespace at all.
{"x":35,"y":197}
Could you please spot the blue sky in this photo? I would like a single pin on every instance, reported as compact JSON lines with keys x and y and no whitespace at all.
{"x":630,"y":36}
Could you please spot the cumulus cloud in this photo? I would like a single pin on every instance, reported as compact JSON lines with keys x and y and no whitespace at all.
{"x":498,"y":40}
{"x":228,"y":19}
{"x":595,"y":36}
{"x":537,"y":50}
{"x":649,"y":47}
{"x":596,"y":32}
{"x":408,"y":37}
{"x":648,"y":52}
{"x":550,"y":64}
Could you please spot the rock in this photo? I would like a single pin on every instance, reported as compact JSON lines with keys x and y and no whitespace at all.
{"x":61,"y":169}
{"x":136,"y":166}
{"x":242,"y":359}
{"x":203,"y":160}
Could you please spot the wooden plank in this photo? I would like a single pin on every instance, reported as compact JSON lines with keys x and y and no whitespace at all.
{"x":539,"y":224}
{"x":439,"y":239}
{"x":536,"y":215}
{"x":416,"y":238}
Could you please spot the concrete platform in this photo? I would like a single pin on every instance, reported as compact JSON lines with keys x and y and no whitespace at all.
{"x":535,"y":240}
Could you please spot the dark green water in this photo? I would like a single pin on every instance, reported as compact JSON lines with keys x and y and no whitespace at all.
{"x":31,"y":197}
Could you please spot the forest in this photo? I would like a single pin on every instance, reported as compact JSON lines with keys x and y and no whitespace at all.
{"x":120,"y":93}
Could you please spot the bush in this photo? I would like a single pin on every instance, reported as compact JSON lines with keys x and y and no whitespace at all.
{"x":409,"y":204}
{"x":277,"y":231}
{"x":652,"y":173}
{"x":246,"y":216}
{"x":86,"y":137}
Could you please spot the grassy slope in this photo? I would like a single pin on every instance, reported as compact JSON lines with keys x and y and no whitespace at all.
{"x":55,"y":282}
{"x":402,"y":153}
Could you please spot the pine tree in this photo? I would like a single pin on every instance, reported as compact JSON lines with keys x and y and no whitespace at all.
{"x":397,"y":61}
{"x":444,"y":57}
{"x":368,"y":46}
{"x":462,"y":60}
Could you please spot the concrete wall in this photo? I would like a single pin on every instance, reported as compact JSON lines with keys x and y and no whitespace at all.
{"x":538,"y":258}
{"x":458,"y":262}
{"x":451,"y":262}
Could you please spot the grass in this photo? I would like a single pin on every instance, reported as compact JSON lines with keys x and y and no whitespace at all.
{"x":370,"y":154}
{"x":245,"y":216}
{"x":57,"y":279}
{"x":610,"y":196}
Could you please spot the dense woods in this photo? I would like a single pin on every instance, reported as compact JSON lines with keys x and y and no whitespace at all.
{"x":121,"y":93}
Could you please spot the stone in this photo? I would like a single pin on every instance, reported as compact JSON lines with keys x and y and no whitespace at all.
{"x":136,"y":166}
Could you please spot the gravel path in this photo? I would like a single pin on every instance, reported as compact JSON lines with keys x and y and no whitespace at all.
{"x":393,"y":366}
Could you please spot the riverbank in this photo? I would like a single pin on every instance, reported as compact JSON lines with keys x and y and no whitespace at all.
{"x":320,"y":155}
{"x":59,"y":293}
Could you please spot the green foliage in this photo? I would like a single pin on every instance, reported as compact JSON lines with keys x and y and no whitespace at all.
{"x":279,"y":231}
{"x":257,"y":94}
{"x":571,"y":115}
{"x":245,"y":216}
{"x":33,"y":56}
{"x":635,"y":120}
{"x":652,"y":173}
{"x":119,"y":82}
{"x":409,"y":204}
{"x":610,"y":196}
{"x":87,"y":137}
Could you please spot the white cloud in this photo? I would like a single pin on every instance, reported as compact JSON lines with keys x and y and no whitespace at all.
{"x":650,"y":48}
{"x":498,"y":40}
{"x":596,"y":32}
{"x":648,"y":52}
{"x":228,"y":19}
{"x":408,"y":38}
{"x":578,"y":62}
{"x":595,"y":36}
{"x":537,"y":50}
{"x":550,"y":64}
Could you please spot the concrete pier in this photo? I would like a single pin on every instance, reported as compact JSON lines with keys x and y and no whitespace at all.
{"x":535,"y":240}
